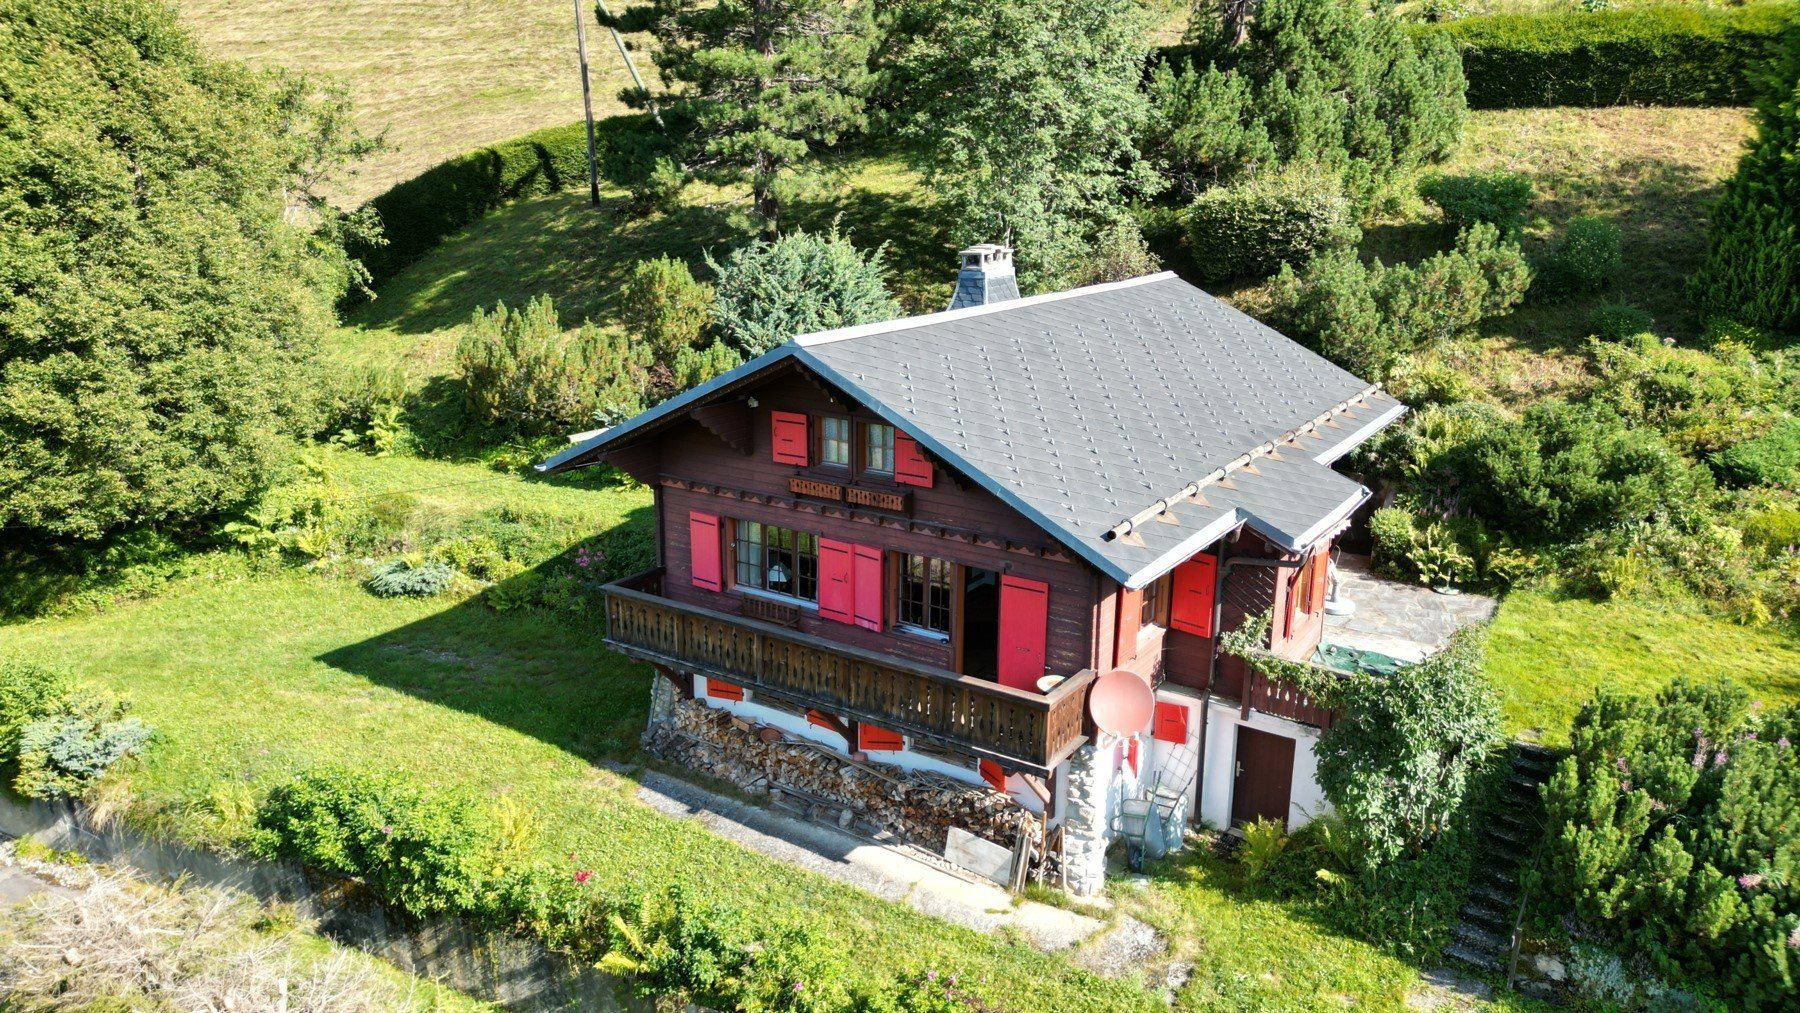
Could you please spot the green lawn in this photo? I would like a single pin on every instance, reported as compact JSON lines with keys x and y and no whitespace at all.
{"x":1547,"y":654}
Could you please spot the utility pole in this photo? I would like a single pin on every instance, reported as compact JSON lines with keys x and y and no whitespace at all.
{"x":630,"y":64}
{"x":587,"y":104}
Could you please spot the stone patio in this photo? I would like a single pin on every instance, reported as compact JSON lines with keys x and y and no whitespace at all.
{"x":1399,"y":619}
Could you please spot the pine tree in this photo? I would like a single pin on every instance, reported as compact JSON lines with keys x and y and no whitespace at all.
{"x":1027,"y":110}
{"x":761,"y":83}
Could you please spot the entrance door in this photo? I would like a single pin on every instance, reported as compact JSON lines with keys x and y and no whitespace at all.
{"x":1024,"y":626}
{"x":1265,"y":776}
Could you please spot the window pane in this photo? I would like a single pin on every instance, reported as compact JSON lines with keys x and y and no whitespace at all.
{"x":778,"y":560}
{"x":878,"y":449}
{"x":925,"y":593}
{"x":835,"y":441}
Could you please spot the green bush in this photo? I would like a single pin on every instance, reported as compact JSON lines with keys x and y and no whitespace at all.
{"x":664,"y":307}
{"x":521,"y":376}
{"x":28,"y":692}
{"x":803,"y":282}
{"x":401,"y":578}
{"x":1583,"y":259}
{"x":1702,"y":402}
{"x":1368,"y":317}
{"x":1670,"y":830}
{"x":694,"y":366}
{"x":1751,"y":274}
{"x":421,"y":212}
{"x":1325,"y":83}
{"x":1616,"y":321}
{"x":1773,"y":529}
{"x":1772,"y":459}
{"x":1675,"y":54}
{"x":1498,"y":198}
{"x":1252,"y":228}
{"x":61,"y":757}
{"x":425,"y":853}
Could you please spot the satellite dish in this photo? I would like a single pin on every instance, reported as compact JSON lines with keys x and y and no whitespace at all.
{"x":1121,"y":702}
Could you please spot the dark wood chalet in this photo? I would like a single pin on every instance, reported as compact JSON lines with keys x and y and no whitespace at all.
{"x":929,"y":536}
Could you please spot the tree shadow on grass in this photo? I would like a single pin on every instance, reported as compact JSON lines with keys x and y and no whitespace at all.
{"x":539,"y":666}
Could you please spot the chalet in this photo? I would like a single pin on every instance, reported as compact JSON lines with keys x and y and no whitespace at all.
{"x":925,"y":542}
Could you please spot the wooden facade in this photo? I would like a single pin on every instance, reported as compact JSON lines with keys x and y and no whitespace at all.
{"x":973,"y":685}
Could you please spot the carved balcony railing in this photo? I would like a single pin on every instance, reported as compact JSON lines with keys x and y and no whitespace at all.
{"x":1022,"y":730}
{"x":1285,"y":700}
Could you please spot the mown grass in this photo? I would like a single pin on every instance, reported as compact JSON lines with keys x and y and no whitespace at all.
{"x":1547,"y":655}
{"x":438,"y":76}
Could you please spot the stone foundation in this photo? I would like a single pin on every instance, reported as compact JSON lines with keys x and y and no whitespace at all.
{"x":883,"y":802}
{"x":1085,"y":831}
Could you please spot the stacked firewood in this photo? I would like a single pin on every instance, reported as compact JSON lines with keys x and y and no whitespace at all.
{"x":880,"y":800}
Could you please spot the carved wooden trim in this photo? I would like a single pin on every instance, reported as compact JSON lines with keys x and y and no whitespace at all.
{"x":815,"y":488}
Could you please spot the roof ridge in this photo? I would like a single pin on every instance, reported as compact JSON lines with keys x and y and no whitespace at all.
{"x":906,"y":323}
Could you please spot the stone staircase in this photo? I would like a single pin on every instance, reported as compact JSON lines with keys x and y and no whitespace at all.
{"x":1483,"y":937}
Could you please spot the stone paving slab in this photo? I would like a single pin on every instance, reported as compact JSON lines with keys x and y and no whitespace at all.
{"x":1400,"y":619}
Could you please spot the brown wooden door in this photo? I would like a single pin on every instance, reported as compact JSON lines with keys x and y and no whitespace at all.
{"x":1265,"y":776}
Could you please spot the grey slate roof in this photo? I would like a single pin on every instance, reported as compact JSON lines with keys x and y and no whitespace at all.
{"x":1084,"y":408}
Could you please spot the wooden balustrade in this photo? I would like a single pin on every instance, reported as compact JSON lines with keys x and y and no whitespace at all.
{"x":1023,"y":730}
{"x":1284,"y":700}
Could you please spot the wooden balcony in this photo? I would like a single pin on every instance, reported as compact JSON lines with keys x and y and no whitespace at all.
{"x":1284,"y":700}
{"x":1029,"y":732}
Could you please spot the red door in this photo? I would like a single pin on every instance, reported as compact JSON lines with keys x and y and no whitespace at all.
{"x":1024,"y":624}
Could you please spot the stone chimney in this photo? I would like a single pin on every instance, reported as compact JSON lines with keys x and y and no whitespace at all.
{"x":986,"y":276}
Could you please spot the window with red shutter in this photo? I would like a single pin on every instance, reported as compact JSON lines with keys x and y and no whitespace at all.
{"x":1130,"y":622}
{"x":869,"y":583}
{"x":837,"y":586}
{"x":1171,"y":722}
{"x":992,"y":774}
{"x":910,"y":465}
{"x":704,"y":549}
{"x":871,"y":739}
{"x":1320,"y":579}
{"x":790,"y":438}
{"x":1296,"y":584}
{"x":720,"y":690}
{"x":1191,"y":596}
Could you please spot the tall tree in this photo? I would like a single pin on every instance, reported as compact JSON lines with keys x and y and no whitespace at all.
{"x":759,"y":83}
{"x":1028,"y":109}
{"x":166,"y":267}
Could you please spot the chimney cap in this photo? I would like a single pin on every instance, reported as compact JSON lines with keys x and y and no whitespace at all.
{"x":985,"y":253}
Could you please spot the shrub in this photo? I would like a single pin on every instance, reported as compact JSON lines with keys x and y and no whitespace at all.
{"x":1616,"y":321}
{"x":1264,"y":841}
{"x":1670,"y":831}
{"x":1254,"y":227}
{"x":663,"y":306}
{"x":520,"y":375}
{"x":1772,"y":459}
{"x":1702,"y":402}
{"x":1583,"y":259}
{"x":1392,"y":529}
{"x":769,"y":292}
{"x":62,"y":756}
{"x":1673,"y":54}
{"x":424,"y":853}
{"x":1751,"y":273}
{"x":1770,"y":530}
{"x":1121,"y":251}
{"x":421,"y":212}
{"x":1327,"y":83}
{"x":1367,"y":317}
{"x":28,"y":692}
{"x":402,"y":578}
{"x":1430,"y":382}
{"x":695,"y":366}
{"x":1498,"y":198}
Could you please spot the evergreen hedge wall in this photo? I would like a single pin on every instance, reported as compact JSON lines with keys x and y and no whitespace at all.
{"x":1671,"y":55}
{"x":419,"y":213}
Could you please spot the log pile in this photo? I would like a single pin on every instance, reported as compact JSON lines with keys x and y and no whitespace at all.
{"x":881,"y":801}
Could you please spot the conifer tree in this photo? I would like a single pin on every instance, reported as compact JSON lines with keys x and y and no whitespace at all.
{"x":758,"y":84}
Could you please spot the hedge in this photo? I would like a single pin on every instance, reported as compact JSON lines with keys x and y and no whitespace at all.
{"x":421,"y":212}
{"x":1668,"y":55}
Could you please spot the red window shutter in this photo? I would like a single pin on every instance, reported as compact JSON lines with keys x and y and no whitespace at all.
{"x":1191,"y":596}
{"x":869,"y":583}
{"x":837,"y":590}
{"x":1321,"y":573}
{"x":720,"y":690}
{"x":1131,"y":754}
{"x":1024,"y":626}
{"x":1295,"y":582}
{"x":703,"y":550}
{"x":872,"y":739}
{"x":1130,"y":620}
{"x":1171,"y":723}
{"x":910,"y":465}
{"x":814,"y":717}
{"x":789,"y":436}
{"x":992,"y":774}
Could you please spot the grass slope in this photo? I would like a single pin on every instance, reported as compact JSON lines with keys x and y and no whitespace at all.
{"x":1547,"y":655}
{"x":439,"y":76}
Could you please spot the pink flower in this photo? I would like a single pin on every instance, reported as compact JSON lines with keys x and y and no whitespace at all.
{"x":583,"y":876}
{"x":1620,"y":763}
{"x":1750,"y":880}
{"x":387,"y":829}
{"x":931,"y":975}
{"x":1783,"y":742}
{"x":1719,"y":758}
{"x":799,"y":985}
{"x":1625,"y":785}
{"x":1794,"y":938}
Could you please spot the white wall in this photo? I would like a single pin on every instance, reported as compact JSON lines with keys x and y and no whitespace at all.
{"x":797,"y":726}
{"x":1305,"y":800}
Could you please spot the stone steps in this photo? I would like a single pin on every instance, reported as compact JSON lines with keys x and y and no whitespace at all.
{"x":1482,"y":938}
